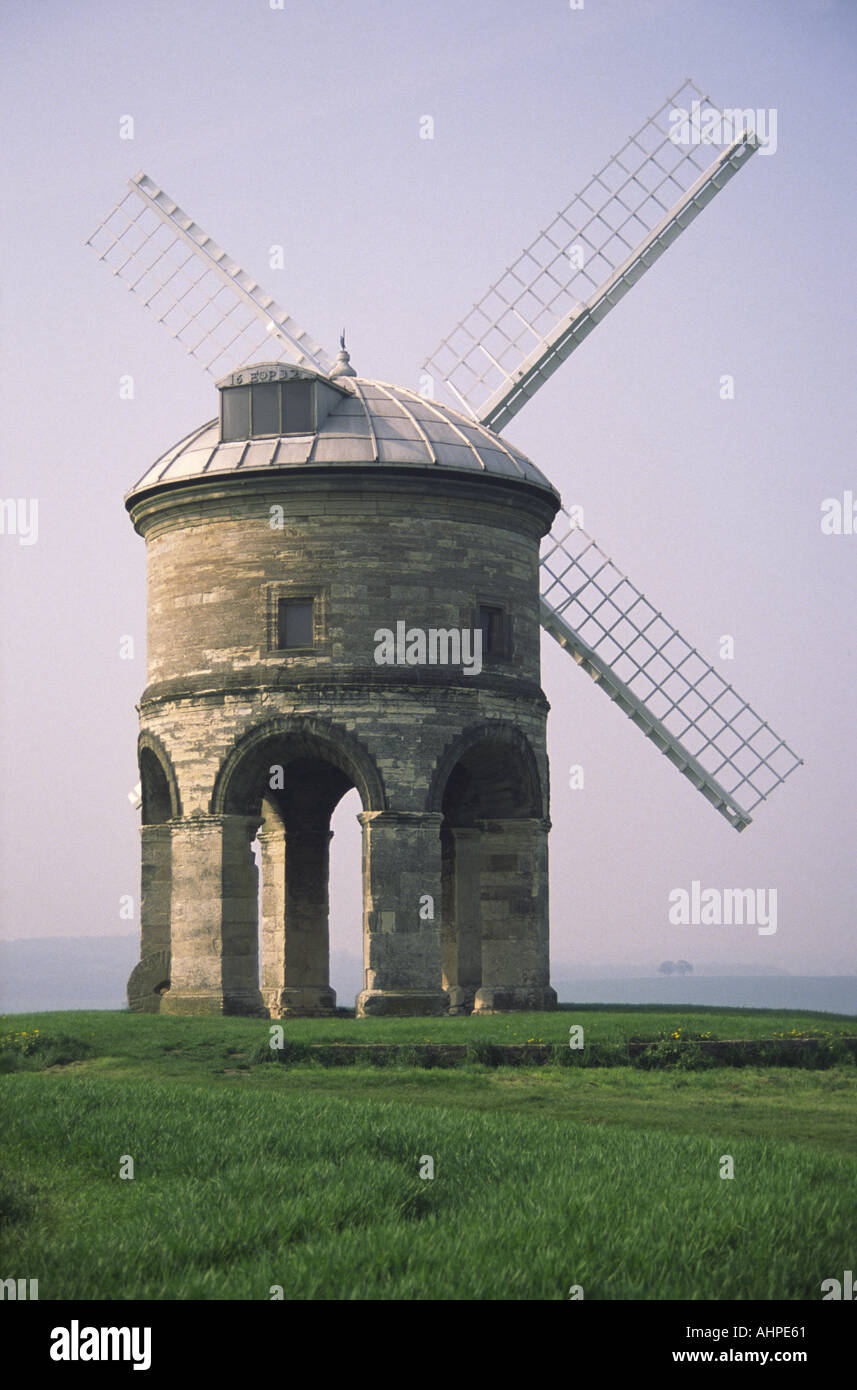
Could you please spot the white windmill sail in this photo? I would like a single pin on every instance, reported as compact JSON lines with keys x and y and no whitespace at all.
{"x":590,"y":255}
{"x":662,"y":683}
{"x":517,"y":335}
{"x":215,"y":309}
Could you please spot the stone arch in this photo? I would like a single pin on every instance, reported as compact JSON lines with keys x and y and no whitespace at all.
{"x":478,"y":755}
{"x":160,"y":790}
{"x":319,"y":762}
{"x":236,"y":787}
{"x":489,"y":791}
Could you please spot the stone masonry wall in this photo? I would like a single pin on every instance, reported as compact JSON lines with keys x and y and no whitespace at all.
{"x":372,"y":548}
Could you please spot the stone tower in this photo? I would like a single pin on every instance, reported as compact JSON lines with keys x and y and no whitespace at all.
{"x":325,"y":560}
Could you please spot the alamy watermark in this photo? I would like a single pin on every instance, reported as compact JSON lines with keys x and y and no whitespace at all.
{"x":709,"y":126}
{"x":839,"y":518}
{"x":438,"y":646}
{"x":715,"y":907}
{"x":19,"y":516}
{"x":76,"y":1343}
{"x":846,"y":1289}
{"x":19,"y":1289}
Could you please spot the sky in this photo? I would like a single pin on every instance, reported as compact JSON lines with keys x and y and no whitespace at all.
{"x":300,"y":126}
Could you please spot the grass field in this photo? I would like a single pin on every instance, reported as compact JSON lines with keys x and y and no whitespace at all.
{"x":249,"y":1176}
{"x":149,"y":1034}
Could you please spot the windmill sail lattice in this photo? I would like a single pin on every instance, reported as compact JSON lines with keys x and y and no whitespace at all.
{"x":589,"y":256}
{"x":517,"y":335}
{"x":215,"y":309}
{"x":662,"y":683}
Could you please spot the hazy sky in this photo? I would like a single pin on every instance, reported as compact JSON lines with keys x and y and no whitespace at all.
{"x":300,"y":126}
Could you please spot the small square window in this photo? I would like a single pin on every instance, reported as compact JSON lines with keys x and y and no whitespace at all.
{"x":491,"y":621}
{"x":294,"y":623}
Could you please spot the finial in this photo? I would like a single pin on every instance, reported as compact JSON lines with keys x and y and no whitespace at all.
{"x":342,"y":366}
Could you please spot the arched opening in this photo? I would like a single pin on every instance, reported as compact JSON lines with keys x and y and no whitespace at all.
{"x":155,"y":789}
{"x":493,"y":778}
{"x":283,"y":784}
{"x":493,"y":841}
{"x":346,"y":900}
{"x":150,"y":979}
{"x":245,"y":773}
{"x":159,"y":787}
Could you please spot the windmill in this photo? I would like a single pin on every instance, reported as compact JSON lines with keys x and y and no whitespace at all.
{"x":529,"y":321}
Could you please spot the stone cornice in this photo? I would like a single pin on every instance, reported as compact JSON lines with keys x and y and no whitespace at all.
{"x":388,"y":490}
{"x":323,"y":687}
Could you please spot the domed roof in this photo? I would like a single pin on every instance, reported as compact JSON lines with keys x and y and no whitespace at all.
{"x":369,"y":424}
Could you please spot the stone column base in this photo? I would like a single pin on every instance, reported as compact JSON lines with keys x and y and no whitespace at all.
{"x":501,"y":999}
{"x":300,"y":1001}
{"x":461,"y":999}
{"x":246,"y":1004}
{"x":412,"y":1003}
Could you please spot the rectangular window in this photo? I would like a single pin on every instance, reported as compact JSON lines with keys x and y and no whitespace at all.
{"x":297,"y":407}
{"x":266,"y":409}
{"x":294,"y":623}
{"x":236,"y":413}
{"x":491,"y":622}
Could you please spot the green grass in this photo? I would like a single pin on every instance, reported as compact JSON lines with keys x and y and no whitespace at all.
{"x":248,"y":1176}
{"x":140,"y":1035}
{"x":236,"y":1191}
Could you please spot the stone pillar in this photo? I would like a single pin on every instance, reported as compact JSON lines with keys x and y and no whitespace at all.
{"x":155,"y":888}
{"x":149,"y":980}
{"x":461,"y":932}
{"x":272,"y":971}
{"x":215,"y":954}
{"x":514,"y":893}
{"x":401,"y":947}
{"x":304,"y":927}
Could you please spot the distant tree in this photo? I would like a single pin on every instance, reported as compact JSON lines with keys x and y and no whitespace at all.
{"x":683,"y":967}
{"x":666,"y":968}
